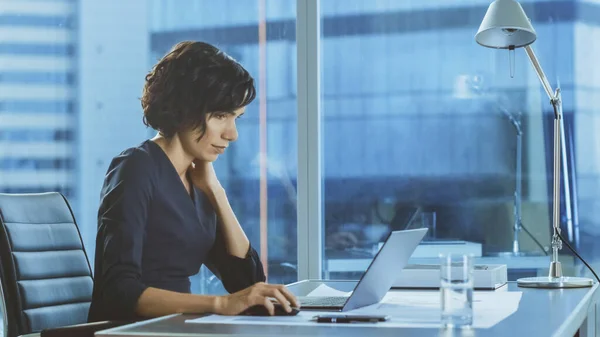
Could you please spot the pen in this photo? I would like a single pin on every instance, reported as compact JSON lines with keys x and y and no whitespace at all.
{"x":348,"y":319}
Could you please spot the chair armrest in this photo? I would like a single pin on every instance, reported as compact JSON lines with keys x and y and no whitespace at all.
{"x":82,"y":330}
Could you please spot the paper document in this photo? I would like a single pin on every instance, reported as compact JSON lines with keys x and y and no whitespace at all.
{"x":417,"y":309}
{"x":327,"y":291}
{"x":489,"y":308}
{"x":303,"y":318}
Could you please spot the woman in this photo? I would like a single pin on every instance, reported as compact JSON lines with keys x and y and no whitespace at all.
{"x":163,"y":212}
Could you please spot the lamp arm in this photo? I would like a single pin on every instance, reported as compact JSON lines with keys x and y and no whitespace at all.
{"x":555,"y":99}
{"x":556,"y":242}
{"x":540,"y":72}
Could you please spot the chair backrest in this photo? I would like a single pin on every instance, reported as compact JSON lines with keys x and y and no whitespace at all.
{"x":44,"y":271}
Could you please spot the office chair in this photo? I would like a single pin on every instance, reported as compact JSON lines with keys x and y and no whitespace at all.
{"x":46,"y":279}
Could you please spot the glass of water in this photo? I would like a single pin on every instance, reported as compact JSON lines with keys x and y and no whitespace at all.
{"x":456,"y":290}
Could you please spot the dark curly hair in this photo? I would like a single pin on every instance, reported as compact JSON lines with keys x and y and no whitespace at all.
{"x":192,"y":81}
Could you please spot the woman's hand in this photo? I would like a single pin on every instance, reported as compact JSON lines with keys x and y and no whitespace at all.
{"x":204,"y":177}
{"x":258,"y":294}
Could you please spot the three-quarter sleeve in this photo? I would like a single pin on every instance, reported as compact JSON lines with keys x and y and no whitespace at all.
{"x":235,"y":273}
{"x":127,"y":193}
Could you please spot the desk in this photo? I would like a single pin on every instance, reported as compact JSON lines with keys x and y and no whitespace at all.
{"x":541,"y":313}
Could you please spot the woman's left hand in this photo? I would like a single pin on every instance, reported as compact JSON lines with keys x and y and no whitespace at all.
{"x":204,"y":177}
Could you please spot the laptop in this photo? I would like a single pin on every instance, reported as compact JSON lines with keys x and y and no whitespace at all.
{"x":381,"y":274}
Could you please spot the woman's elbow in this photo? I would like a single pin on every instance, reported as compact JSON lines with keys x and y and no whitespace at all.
{"x":122,"y":298}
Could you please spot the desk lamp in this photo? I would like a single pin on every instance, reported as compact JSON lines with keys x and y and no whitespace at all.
{"x":506,"y":26}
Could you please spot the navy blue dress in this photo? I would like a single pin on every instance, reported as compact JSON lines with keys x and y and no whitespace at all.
{"x":152,"y":233}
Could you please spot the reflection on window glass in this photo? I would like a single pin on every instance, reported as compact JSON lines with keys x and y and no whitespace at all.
{"x":417,"y":116}
{"x":71,"y":75}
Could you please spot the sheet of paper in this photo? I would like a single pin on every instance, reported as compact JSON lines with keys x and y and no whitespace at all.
{"x":303,"y":318}
{"x":327,"y":291}
{"x":489,"y":308}
{"x":406,"y":309}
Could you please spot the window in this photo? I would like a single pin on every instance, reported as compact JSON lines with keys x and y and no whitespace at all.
{"x":37,"y":97}
{"x":71,"y":74}
{"x":416,"y":115}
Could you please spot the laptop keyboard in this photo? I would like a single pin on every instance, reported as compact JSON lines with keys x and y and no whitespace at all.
{"x":323,"y":301}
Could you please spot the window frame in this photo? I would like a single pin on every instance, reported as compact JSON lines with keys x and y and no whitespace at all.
{"x":309,"y":181}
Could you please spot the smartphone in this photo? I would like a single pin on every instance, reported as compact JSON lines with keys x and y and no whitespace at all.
{"x":338,"y":318}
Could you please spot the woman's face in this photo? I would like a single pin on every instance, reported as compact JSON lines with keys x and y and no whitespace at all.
{"x":220,"y":131}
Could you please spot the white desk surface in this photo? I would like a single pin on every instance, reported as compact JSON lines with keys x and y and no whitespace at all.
{"x":541,"y":312}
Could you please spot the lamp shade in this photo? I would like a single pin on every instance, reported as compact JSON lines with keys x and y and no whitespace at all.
{"x":505,"y":25}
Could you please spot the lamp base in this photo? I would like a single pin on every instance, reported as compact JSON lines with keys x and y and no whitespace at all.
{"x":555,"y":282}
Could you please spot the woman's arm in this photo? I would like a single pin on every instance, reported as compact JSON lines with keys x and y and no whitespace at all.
{"x":126,"y":196}
{"x":157,"y":302}
{"x":231,"y":258}
{"x":235,"y":240}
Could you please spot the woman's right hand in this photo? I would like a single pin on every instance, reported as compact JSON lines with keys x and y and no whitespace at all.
{"x":258,"y":294}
